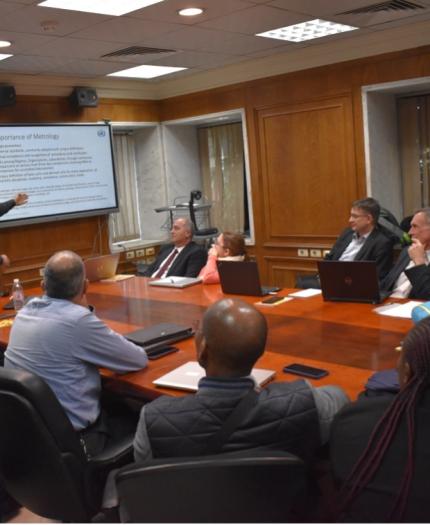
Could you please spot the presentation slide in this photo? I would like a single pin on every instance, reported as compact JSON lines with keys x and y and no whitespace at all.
{"x":66,"y":170}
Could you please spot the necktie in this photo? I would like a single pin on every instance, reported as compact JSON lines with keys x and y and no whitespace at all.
{"x":167,"y":262}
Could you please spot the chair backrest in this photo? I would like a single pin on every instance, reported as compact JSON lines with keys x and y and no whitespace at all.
{"x":206,"y":232}
{"x":42,"y":463}
{"x":249,"y":487}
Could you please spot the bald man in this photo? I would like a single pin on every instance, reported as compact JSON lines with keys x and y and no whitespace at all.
{"x":58,"y":338}
{"x":289,"y":416}
{"x":182,"y":257}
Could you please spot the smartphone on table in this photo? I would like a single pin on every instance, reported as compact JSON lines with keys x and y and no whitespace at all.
{"x":273,"y":300}
{"x":305,"y":371}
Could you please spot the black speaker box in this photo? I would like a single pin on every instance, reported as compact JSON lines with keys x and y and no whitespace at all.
{"x":7,"y":95}
{"x":84,"y":97}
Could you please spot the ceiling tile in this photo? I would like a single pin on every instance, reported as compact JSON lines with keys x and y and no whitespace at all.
{"x":318,"y":8}
{"x":24,"y":42}
{"x":75,"y":48}
{"x":168,"y":11}
{"x":127,"y":30}
{"x":193,"y":59}
{"x":31,"y":64}
{"x":87,"y":68}
{"x":29,"y":20}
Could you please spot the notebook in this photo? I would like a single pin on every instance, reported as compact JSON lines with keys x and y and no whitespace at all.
{"x":187,"y":377}
{"x":103,"y":267}
{"x":176,"y":282}
{"x":354,"y":281}
{"x":242,"y":277}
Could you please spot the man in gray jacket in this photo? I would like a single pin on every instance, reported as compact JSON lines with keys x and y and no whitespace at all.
{"x":289,"y":416}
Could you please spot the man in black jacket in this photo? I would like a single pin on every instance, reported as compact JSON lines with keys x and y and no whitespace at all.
{"x":182,"y":257}
{"x":410,"y":276}
{"x":20,"y":198}
{"x":362,"y":241}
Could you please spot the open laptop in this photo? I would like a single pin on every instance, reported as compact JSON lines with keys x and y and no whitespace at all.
{"x":187,"y":377}
{"x":353,"y":281}
{"x":102,"y":267}
{"x":242,"y":277}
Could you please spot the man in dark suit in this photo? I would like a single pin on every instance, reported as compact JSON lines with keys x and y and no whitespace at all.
{"x":410,"y":276}
{"x":182,"y":257}
{"x":18,"y":200}
{"x":362,"y":241}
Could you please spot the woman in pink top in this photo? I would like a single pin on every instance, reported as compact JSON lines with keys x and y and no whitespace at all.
{"x":228,"y":247}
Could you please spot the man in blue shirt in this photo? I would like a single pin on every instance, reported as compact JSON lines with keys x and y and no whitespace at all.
{"x":58,"y":338}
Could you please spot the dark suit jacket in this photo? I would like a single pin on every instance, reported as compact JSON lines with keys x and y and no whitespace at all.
{"x":419,"y":276}
{"x":350,"y":433}
{"x":378,"y":247}
{"x":187,"y":264}
{"x":6,"y":206}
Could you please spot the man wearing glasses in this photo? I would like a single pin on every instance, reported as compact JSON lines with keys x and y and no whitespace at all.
{"x":363,"y":240}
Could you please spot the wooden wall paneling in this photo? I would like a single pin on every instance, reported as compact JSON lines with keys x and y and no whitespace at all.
{"x":282,"y":270}
{"x":307,"y":169}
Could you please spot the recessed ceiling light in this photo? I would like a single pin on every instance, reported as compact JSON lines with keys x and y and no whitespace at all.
{"x":103,"y":7}
{"x":3,"y":56}
{"x":307,"y":30}
{"x":190,"y":11}
{"x":146,"y":71}
{"x":5,"y":43}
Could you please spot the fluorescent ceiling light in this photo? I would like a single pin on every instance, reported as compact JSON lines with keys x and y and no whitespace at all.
{"x":146,"y":71}
{"x":307,"y":30}
{"x":191,"y":11}
{"x":103,"y":7}
{"x":5,"y":43}
{"x":3,"y":56}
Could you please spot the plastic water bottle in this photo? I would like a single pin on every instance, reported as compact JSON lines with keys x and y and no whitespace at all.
{"x":17,"y":295}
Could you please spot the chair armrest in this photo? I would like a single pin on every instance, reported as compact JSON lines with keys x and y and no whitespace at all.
{"x":115,"y":455}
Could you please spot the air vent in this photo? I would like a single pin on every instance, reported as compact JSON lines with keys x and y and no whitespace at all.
{"x":137,"y":50}
{"x":392,"y":5}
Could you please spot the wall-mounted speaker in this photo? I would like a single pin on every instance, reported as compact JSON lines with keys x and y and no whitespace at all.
{"x":84,"y":97}
{"x":7,"y":95}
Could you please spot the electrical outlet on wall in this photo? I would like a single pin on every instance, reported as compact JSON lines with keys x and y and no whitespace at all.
{"x":315,"y":253}
{"x":303,"y":252}
{"x":129,"y":255}
{"x":150,"y":251}
{"x":140,"y":253}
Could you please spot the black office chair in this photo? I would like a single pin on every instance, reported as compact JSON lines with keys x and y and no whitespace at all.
{"x":42,"y":463}
{"x":203,"y":232}
{"x":231,"y":488}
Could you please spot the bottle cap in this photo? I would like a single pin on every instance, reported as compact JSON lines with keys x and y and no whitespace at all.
{"x":16,"y":280}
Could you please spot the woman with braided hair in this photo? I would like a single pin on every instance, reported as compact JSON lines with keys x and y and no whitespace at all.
{"x":380,"y":446}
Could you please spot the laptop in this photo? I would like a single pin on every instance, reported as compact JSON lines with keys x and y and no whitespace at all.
{"x":176,"y":282}
{"x":187,"y":377}
{"x":242,"y":277}
{"x":353,"y":281}
{"x":103,"y":267}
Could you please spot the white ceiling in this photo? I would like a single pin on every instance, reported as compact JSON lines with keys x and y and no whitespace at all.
{"x":54,"y":47}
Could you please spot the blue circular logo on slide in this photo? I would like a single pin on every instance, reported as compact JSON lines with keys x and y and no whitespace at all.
{"x":101,"y":132}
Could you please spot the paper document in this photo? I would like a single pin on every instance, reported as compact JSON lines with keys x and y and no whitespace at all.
{"x":117,"y":278}
{"x":398,"y":310}
{"x":309,"y":292}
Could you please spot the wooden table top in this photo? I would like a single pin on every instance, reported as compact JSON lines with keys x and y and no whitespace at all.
{"x":348,"y":339}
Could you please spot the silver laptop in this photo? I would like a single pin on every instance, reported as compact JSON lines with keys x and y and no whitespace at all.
{"x":176,"y":282}
{"x":187,"y":377}
{"x":103,"y":267}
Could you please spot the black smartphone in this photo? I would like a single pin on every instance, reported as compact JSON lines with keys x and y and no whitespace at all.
{"x":305,"y":371}
{"x":273,"y":300}
{"x":160,"y":352}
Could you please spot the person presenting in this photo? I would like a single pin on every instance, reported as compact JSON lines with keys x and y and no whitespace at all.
{"x":58,"y":338}
{"x":289,"y":416}
{"x":363,"y":240}
{"x":228,"y":247}
{"x":182,"y":257}
{"x":379,"y":445}
{"x":18,"y":200}
{"x":410,"y":275}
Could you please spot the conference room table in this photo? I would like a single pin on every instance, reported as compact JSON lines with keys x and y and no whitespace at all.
{"x":350,"y":340}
